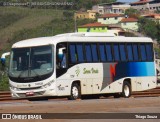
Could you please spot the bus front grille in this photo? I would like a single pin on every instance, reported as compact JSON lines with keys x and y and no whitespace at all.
{"x":30,"y":88}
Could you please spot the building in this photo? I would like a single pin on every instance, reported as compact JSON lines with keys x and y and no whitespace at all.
{"x":152,"y":16}
{"x":98,"y":27}
{"x":151,"y":5}
{"x":93,"y":27}
{"x":115,"y":7}
{"x":115,"y":27}
{"x":129,"y":24}
{"x":86,"y":15}
{"x":110,"y":18}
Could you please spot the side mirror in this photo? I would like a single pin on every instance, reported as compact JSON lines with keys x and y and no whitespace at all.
{"x":3,"y":58}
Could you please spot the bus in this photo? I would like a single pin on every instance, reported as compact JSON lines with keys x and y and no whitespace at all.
{"x":74,"y":65}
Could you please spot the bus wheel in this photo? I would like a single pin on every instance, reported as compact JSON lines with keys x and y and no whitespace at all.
{"x":126,"y":93}
{"x":75,"y":92}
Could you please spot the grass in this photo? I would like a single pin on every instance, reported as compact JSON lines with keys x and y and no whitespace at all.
{"x":25,"y":18}
{"x":4,"y":84}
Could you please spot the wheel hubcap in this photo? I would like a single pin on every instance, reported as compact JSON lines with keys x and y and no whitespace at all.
{"x":75,"y":92}
{"x":126,"y":90}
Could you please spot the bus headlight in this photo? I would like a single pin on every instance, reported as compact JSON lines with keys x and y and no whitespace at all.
{"x":14,"y":88}
{"x":48,"y":84}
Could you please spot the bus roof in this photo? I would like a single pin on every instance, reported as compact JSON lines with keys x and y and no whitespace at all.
{"x":78,"y":37}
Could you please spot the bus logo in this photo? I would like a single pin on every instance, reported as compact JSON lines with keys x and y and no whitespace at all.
{"x":77,"y":71}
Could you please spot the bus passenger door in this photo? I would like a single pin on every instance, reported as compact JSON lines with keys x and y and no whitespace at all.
{"x":89,"y":86}
{"x":83,"y":86}
{"x":97,"y":84}
{"x":62,"y":87}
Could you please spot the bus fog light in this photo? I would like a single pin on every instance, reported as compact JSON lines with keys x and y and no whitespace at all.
{"x":48,"y":84}
{"x":14,"y":88}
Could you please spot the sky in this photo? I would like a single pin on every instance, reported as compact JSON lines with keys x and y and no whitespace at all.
{"x":128,"y":1}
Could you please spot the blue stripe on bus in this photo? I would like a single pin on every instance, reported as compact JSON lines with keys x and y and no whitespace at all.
{"x":141,"y":69}
{"x":133,"y":69}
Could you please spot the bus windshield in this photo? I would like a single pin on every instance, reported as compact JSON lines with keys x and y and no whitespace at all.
{"x":32,"y":62}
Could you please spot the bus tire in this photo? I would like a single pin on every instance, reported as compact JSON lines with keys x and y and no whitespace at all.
{"x":126,"y":91}
{"x":75,"y":92}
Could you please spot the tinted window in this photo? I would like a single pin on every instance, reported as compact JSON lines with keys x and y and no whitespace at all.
{"x":116,"y":52}
{"x":73,"y":54}
{"x":143,"y":52}
{"x":102,"y":52}
{"x":122,"y":52}
{"x":88,"y":53}
{"x":129,"y":52}
{"x":94,"y":52}
{"x":135,"y":52}
{"x":80,"y":52}
{"x":31,"y":62}
{"x":149,"y":52}
{"x":109,"y":52}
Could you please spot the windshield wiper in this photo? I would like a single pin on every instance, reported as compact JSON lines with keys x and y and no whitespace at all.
{"x":20,"y":74}
{"x":37,"y":75}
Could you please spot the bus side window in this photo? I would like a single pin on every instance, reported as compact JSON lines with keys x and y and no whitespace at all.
{"x":116,"y":52}
{"x":73,"y":54}
{"x":149,"y":52}
{"x":135,"y":52}
{"x":143,"y":52}
{"x":88,"y":53}
{"x":122,"y":52}
{"x":80,"y":52}
{"x":64,"y":60}
{"x":109,"y":52}
{"x":102,"y":52}
{"x":94,"y":52}
{"x":129,"y":52}
{"x":61,"y":61}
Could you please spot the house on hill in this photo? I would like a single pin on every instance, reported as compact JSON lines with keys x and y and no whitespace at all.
{"x":98,"y":27}
{"x":154,"y":17}
{"x":129,"y":23}
{"x":86,"y":15}
{"x":110,"y":18}
{"x":113,"y":7}
{"x":93,"y":27}
{"x":151,"y":5}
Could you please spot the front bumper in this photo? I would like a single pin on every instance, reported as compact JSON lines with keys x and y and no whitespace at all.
{"x":36,"y":93}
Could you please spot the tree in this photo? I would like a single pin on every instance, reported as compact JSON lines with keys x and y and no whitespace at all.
{"x":142,"y":22}
{"x":158,"y":33}
{"x":132,"y":13}
{"x":148,"y":27}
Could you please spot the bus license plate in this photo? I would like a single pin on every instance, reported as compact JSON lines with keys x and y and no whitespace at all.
{"x":30,"y":93}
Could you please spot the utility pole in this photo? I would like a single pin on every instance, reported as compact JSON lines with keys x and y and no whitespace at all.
{"x":75,"y":22}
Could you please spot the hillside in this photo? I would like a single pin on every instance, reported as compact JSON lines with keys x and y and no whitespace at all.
{"x":17,"y":23}
{"x":15,"y":19}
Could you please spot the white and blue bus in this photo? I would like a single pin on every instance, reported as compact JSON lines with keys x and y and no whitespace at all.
{"x":78,"y":64}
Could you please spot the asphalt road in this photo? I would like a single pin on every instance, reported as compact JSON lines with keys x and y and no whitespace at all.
{"x":87,"y":108}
